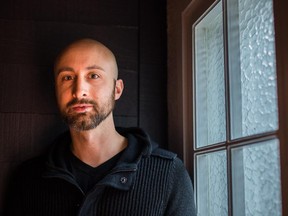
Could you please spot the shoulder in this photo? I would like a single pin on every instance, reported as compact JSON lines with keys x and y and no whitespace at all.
{"x":169,"y":157}
{"x":177,"y":166}
{"x":163,"y":153}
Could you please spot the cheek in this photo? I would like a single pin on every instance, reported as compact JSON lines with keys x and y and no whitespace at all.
{"x":61,"y":96}
{"x":100,"y":92}
{"x":60,"y":101}
{"x":110,"y":93}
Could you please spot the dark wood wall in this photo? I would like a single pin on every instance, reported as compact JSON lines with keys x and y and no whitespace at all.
{"x":31,"y":34}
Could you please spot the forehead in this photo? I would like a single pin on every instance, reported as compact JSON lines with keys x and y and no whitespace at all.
{"x":84,"y":52}
{"x":84,"y":55}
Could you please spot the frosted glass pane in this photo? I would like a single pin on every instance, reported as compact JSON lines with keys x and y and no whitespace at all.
{"x":251,"y":27}
{"x":256,"y":180}
{"x":209,"y":79}
{"x":211,"y":184}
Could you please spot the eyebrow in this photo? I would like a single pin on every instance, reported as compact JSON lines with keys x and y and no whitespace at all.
{"x":72,"y":70}
{"x":64,"y":69}
{"x":94,"y":67}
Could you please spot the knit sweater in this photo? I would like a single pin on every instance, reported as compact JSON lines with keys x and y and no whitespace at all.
{"x":146,"y":181}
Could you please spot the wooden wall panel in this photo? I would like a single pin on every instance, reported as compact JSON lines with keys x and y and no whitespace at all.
{"x":23,"y":134}
{"x":152,"y":69}
{"x":26,"y":88}
{"x":108,"y":12}
{"x":127,"y":105}
{"x":153,"y":110}
{"x":15,"y":133}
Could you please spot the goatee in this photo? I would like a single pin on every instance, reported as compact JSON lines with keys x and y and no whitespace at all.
{"x":87,"y":120}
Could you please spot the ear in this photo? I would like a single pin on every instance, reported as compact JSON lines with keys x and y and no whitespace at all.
{"x":119,"y":87}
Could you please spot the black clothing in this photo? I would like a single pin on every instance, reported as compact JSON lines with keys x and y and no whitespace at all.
{"x":146,"y":181}
{"x":85,"y":175}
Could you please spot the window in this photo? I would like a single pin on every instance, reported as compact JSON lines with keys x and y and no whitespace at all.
{"x":235,"y":108}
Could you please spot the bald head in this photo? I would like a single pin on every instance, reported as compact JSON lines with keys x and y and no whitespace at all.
{"x":87,"y":45}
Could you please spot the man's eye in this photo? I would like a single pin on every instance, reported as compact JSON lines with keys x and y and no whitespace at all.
{"x":66,"y":78}
{"x":93,"y":76}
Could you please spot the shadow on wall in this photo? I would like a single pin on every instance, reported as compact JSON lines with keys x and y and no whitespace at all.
{"x":28,"y":112}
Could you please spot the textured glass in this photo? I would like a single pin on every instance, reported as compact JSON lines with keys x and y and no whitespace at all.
{"x":257,"y":93}
{"x":256,"y":180}
{"x":209,"y":79}
{"x":211,"y":184}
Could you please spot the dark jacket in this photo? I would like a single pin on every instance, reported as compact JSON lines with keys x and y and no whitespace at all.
{"x":146,"y":181}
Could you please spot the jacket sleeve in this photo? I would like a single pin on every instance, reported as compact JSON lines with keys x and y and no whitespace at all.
{"x":180,"y":194}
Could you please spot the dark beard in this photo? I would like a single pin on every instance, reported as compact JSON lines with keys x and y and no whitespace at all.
{"x":88,"y":121}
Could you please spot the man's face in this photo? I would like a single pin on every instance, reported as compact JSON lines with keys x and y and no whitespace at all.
{"x":85,"y":86}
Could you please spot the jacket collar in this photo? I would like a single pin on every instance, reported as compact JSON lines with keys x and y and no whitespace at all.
{"x":122,"y":176}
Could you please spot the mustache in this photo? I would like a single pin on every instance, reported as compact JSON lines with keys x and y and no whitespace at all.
{"x":76,"y":101}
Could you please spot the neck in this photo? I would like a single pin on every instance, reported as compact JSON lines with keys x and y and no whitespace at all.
{"x":97,"y":145}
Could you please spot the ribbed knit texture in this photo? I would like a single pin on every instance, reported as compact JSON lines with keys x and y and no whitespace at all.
{"x":52,"y":196}
{"x":58,"y":197}
{"x":147,"y":196}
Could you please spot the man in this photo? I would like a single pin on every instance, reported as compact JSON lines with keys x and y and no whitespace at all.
{"x":96,"y":169}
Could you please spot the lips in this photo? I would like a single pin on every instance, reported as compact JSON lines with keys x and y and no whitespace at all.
{"x":82,"y":107}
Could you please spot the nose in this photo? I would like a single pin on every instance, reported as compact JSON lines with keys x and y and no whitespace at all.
{"x":80,"y":88}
